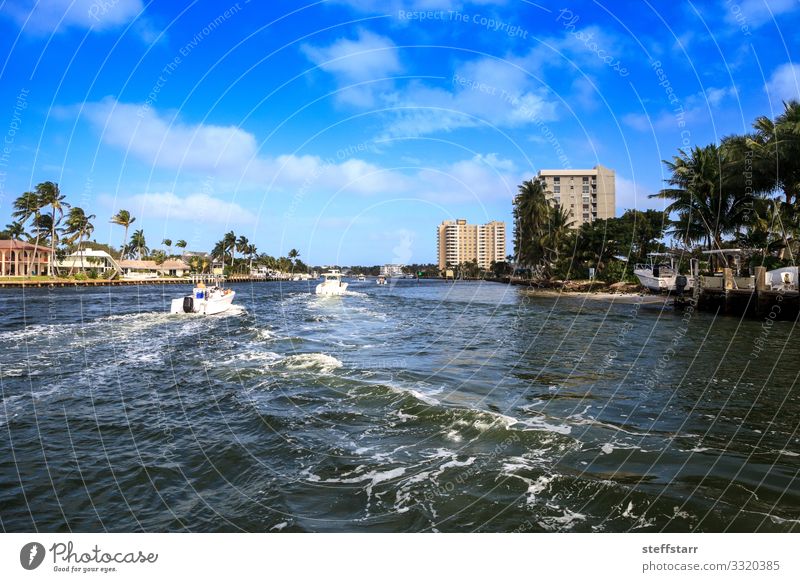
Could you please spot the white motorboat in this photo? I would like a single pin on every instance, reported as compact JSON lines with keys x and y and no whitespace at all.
{"x":783,"y":279}
{"x":332,"y":284}
{"x":660,"y":273}
{"x":381,"y":280}
{"x":204,"y":300}
{"x":361,"y":278}
{"x":138,"y":276}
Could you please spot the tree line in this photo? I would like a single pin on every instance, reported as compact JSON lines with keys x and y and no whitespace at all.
{"x":743,"y":192}
{"x":44,"y":218}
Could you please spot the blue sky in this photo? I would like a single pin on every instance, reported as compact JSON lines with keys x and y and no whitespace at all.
{"x":349,"y":129}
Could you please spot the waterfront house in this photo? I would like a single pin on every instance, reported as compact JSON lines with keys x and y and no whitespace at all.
{"x":22,"y":259}
{"x":89,"y":259}
{"x":133,"y":268}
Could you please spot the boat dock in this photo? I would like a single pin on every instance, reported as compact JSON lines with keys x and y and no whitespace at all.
{"x":754,"y":296}
{"x":50,"y":284}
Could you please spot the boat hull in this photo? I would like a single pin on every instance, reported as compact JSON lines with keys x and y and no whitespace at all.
{"x":331,"y":288}
{"x":212,"y":306}
{"x":659,"y":284}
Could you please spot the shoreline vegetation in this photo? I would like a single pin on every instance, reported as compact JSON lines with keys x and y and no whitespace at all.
{"x":743,"y":193}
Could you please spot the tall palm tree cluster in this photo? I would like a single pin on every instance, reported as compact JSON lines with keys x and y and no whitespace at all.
{"x":541,"y":229}
{"x":225,"y":251}
{"x":744,"y":192}
{"x":47,"y":220}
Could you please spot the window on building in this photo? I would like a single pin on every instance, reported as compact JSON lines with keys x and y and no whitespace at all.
{"x":556,"y":189}
{"x":557,"y":179}
{"x":585,"y":189}
{"x":586,"y":179}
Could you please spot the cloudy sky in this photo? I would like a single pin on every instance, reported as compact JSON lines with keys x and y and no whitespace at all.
{"x":350,"y":128}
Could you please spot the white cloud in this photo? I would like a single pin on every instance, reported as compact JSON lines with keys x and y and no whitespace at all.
{"x":231,"y":154}
{"x":228,"y":152}
{"x":168,"y":143}
{"x":482,"y":92}
{"x":481,"y":179}
{"x":754,"y":13}
{"x":783,"y":85}
{"x":44,"y":17}
{"x":195,"y":208}
{"x":697,"y":109}
{"x":359,"y":66}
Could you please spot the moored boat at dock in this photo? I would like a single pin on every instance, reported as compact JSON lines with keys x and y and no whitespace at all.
{"x":661,"y":274}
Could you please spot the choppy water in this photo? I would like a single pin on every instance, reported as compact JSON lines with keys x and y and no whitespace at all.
{"x":417,"y":407}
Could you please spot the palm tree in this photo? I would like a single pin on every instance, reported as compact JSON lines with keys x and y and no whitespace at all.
{"x":220,"y":251}
{"x":252,"y":251}
{"x":15,"y":230}
{"x":167,"y":242}
{"x":123,"y":218}
{"x":138,"y":242}
{"x":778,"y":142}
{"x":229,"y":244}
{"x":241,"y":244}
{"x":531,"y":220}
{"x":559,"y":227}
{"x":79,"y":227}
{"x":703,"y":199}
{"x":181,"y":244}
{"x":50,"y":195}
{"x":26,"y":207}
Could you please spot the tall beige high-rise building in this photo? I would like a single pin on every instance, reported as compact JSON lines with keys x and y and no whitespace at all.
{"x":587,"y":194}
{"x":460,"y":242}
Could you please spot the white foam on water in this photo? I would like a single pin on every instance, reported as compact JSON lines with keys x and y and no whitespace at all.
{"x":279,"y":526}
{"x":537,"y":424}
{"x":564,"y":522}
{"x":312,"y":361}
{"x":607,"y":448}
{"x":249,"y":356}
{"x":788,"y":453}
{"x":456,"y":463}
{"x":628,"y":510}
{"x":264,"y":334}
{"x":12,"y":372}
{"x":415,"y":393}
{"x":676,"y":512}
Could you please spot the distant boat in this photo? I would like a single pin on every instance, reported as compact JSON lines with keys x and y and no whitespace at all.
{"x":204,"y":300}
{"x":660,"y":274}
{"x":362,"y":278}
{"x":381,"y":280}
{"x":332,"y":284}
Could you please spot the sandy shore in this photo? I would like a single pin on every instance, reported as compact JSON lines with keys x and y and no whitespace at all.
{"x":623,"y":298}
